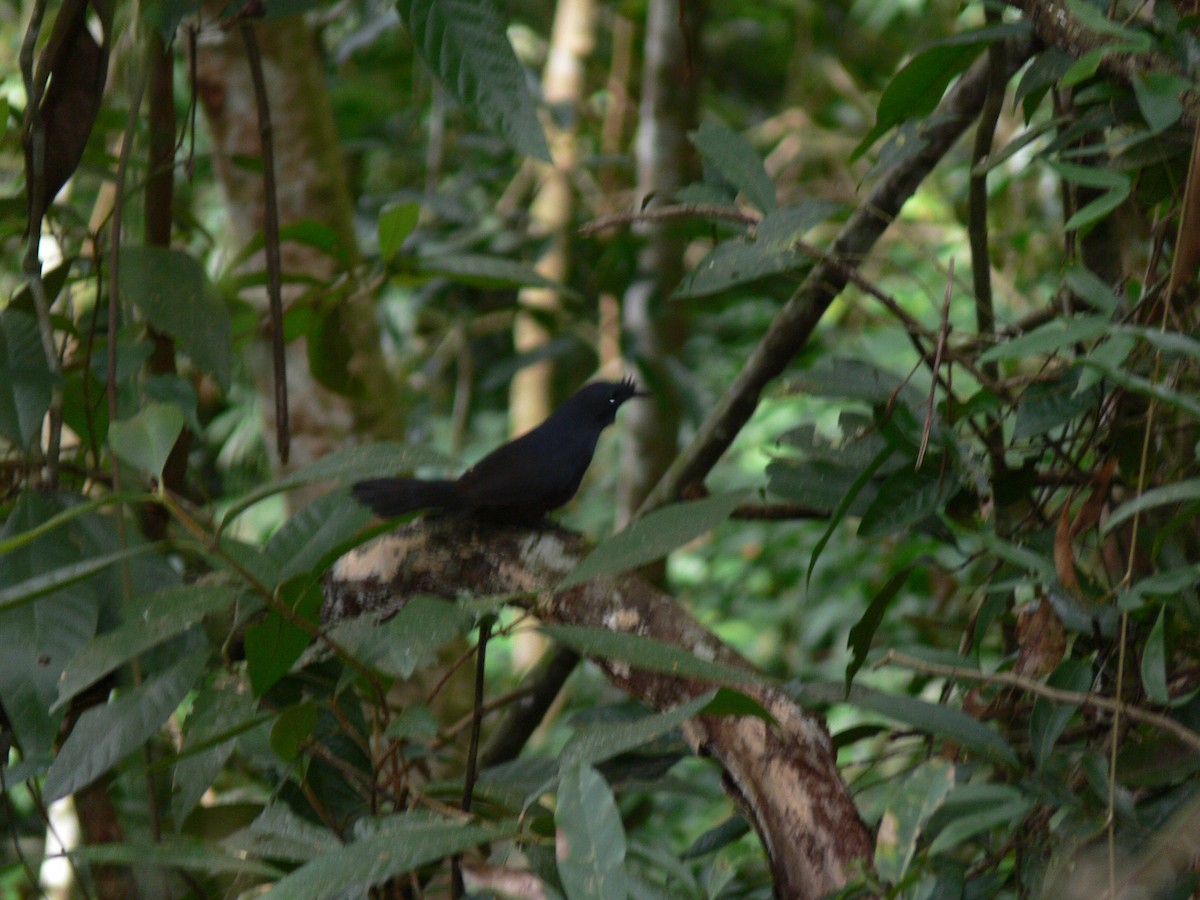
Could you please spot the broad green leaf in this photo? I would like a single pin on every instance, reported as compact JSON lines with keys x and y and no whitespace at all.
{"x":1049,"y":405}
{"x":853,"y":379}
{"x":488,"y":272}
{"x":396,"y":223}
{"x":173,"y":852}
{"x":740,"y":261}
{"x":1096,"y":177}
{"x":1158,"y":96}
{"x":913,"y":800}
{"x":907,"y":498}
{"x":217,"y":711}
{"x":1171,"y":343}
{"x":1108,"y":354}
{"x":306,"y":539}
{"x":596,"y":742}
{"x":106,"y":734}
{"x":1047,"y":720}
{"x":292,"y":727}
{"x":590,"y":845}
{"x":717,"y":837}
{"x":861,"y":482}
{"x":464,"y":43}
{"x":731,"y":155}
{"x":352,"y":464}
{"x":736,"y":262}
{"x":1017,"y":555}
{"x":25,"y":380}
{"x":648,"y":653}
{"x":399,"y":645}
{"x":654,"y":536}
{"x":278,"y":833}
{"x":274,"y":644}
{"x":174,"y":294}
{"x":1127,"y":379}
{"x":1099,"y":208}
{"x":916,"y":90}
{"x":863,"y":631}
{"x":394,"y":849}
{"x":1050,"y":338}
{"x":70,"y":514}
{"x":1006,"y":815}
{"x":162,"y":615}
{"x":932,"y":718}
{"x":1154,"y":662}
{"x":39,"y":585}
{"x":145,"y":441}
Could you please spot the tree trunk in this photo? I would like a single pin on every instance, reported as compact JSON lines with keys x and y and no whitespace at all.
{"x":782,"y":774}
{"x":655,"y":325}
{"x":552,"y":211}
{"x":312,"y":186}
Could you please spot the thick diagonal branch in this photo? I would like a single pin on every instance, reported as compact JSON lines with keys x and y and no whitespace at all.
{"x":782,"y":773}
{"x":795,"y":323}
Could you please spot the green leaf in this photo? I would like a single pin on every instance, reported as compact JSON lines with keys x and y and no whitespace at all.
{"x":1050,"y":338}
{"x":292,"y":728}
{"x":853,"y":379}
{"x":398,"y":646}
{"x":1099,"y":208}
{"x":916,"y":90}
{"x":397,"y":845}
{"x":174,"y":294}
{"x":1049,"y":405}
{"x":104,"y":735}
{"x":464,"y":43}
{"x":305,"y":541}
{"x":596,"y":742}
{"x":488,"y":272}
{"x":1158,"y":96}
{"x":1009,"y":815}
{"x":396,"y":223}
{"x":162,"y":615}
{"x":648,"y":653}
{"x":1126,"y":379}
{"x":351,"y":464}
{"x":1154,"y":662}
{"x":863,"y":631}
{"x":1048,"y":720}
{"x":907,"y":498}
{"x":145,"y":441}
{"x":731,"y":155}
{"x":654,"y":536}
{"x":737,"y":261}
{"x":591,"y":839}
{"x":913,"y":800}
{"x":843,"y":508}
{"x":278,"y":833}
{"x":173,"y":852}
{"x":216,"y":711}
{"x":717,"y":837}
{"x":274,"y":644}
{"x":932,"y":718}
{"x":1179,"y":492}
{"x":25,"y":380}
{"x":39,"y":585}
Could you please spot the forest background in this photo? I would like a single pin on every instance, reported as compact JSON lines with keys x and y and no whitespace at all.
{"x":902,"y":597}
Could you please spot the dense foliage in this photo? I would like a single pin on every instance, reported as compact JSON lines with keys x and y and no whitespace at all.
{"x":961,"y":523}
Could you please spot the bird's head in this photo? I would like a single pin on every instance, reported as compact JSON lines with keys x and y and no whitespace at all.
{"x":599,"y":401}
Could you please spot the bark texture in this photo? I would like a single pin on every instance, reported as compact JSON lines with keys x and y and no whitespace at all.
{"x":782,"y":774}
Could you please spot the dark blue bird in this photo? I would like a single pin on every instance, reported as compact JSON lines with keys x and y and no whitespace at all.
{"x":518,"y":482}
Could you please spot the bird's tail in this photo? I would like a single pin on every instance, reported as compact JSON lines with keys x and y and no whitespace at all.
{"x":396,"y":496}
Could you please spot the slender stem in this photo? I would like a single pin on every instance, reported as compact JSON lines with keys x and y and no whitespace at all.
{"x":270,"y":237}
{"x":1057,"y":695}
{"x":485,"y":631}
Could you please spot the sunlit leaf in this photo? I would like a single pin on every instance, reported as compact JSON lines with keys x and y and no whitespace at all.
{"x":591,"y":839}
{"x":465,"y":44}
{"x":654,"y":536}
